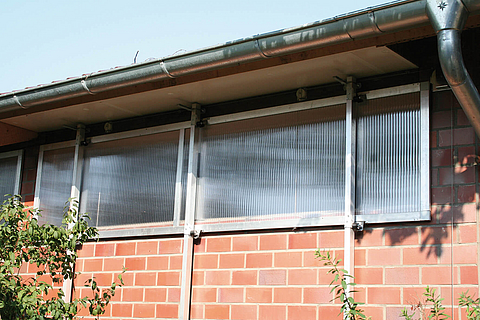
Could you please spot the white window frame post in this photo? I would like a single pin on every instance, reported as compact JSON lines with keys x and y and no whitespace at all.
{"x":189,"y":230}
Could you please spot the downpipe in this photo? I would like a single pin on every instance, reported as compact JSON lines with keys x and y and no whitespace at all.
{"x":448,"y":18}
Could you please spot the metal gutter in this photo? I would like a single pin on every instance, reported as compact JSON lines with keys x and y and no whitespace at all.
{"x":391,"y":17}
{"x":448,"y":19}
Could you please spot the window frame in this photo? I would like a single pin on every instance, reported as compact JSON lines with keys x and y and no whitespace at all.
{"x":18,"y":173}
{"x":328,"y":221}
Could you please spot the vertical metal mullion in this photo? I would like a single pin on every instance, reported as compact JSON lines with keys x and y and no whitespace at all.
{"x":350,"y":148}
{"x":75,"y":194}
{"x":177,"y":211}
{"x":189,"y":229}
{"x":424,"y":150}
{"x":18,"y":174}
{"x":36,"y":200}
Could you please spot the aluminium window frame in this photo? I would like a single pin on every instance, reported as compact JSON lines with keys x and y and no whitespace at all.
{"x":18,"y":173}
{"x":177,"y":229}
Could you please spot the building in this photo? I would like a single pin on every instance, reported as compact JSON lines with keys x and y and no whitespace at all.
{"x":223,"y":170}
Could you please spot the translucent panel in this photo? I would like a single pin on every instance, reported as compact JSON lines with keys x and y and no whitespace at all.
{"x":8,"y":174}
{"x":55,"y":184}
{"x":388,"y":153}
{"x":282,"y":166}
{"x":130,"y":181}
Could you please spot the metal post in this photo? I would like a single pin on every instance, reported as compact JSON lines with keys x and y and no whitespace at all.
{"x":75,"y":193}
{"x":349,"y":235}
{"x":189,"y":230}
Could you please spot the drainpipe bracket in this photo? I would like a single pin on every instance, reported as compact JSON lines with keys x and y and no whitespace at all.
{"x":358,"y":226}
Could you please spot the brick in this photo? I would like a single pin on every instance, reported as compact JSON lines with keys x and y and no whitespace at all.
{"x":244,"y":277}
{"x":235,"y":260}
{"x":176,"y":262}
{"x":103,"y":279}
{"x":144,"y":310}
{"x":273,"y":242}
{"x":221,"y":278}
{"x":467,"y":233}
{"x":402,"y":275}
{"x":412,"y":295}
{"x":463,"y":214}
{"x":132,"y":294}
{"x":442,"y":195}
{"x":459,"y":175}
{"x":122,"y":309}
{"x":302,"y":241}
{"x":302,"y":276}
{"x":310,"y":259}
{"x":204,"y":295}
{"x":437,"y":275}
{"x":258,"y":295}
{"x":196,"y":311}
{"x":27,"y":187}
{"x":86,"y":250}
{"x":384,"y":256}
{"x":287,"y":295}
{"x":369,"y":275}
{"x":329,"y":312}
{"x":369,"y":238}
{"x":469,"y":275}
{"x":462,"y":119}
{"x":383,"y":295}
{"x":288,"y":259}
{"x":360,"y":257}
{"x":169,"y":311}
{"x":433,"y":139}
{"x":93,"y":265}
{"x":317,"y":295}
{"x":243,"y":312}
{"x":127,"y":278}
{"x":147,"y":247}
{"x":466,"y":194}
{"x":441,"y":119}
{"x":170,"y":246}
{"x":272,"y":277}
{"x":248,"y":243}
{"x":416,"y":256}
{"x":199,"y":245}
{"x":301,"y":312}
{"x":125,"y":249}
{"x":259,"y":260}
{"x":229,"y":295}
{"x":145,"y":278}
{"x":435,"y":235}
{"x":465,"y":254}
{"x":374,"y":312}
{"x":217,"y":311}
{"x":157,"y":263}
{"x":168,"y":278}
{"x":266,"y":312}
{"x":198,"y":278}
{"x":466,"y":155}
{"x":155,"y":294}
{"x":173,"y":294}
{"x":104,"y":249}
{"x":222,"y":244}
{"x":400,"y":237}
{"x":113,"y":264}
{"x":441,"y":157}
{"x":433,"y":177}
{"x":135,"y":263}
{"x":330,"y":239}
{"x":207,"y":261}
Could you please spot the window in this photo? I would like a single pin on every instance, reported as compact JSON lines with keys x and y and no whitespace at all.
{"x":270,"y":168}
{"x":10,"y":170}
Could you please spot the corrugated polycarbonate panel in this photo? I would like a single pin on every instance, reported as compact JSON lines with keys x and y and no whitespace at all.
{"x":388,"y":153}
{"x":276,"y":167}
{"x":8,"y":174}
{"x":55,"y":184}
{"x":130,"y":181}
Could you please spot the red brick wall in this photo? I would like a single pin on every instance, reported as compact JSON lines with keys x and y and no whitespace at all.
{"x":275,"y":276}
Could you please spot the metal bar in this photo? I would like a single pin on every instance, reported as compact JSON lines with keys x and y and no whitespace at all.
{"x":350,"y":134}
{"x":36,"y":200}
{"x":425,"y":150}
{"x":189,"y":228}
{"x":177,"y":211}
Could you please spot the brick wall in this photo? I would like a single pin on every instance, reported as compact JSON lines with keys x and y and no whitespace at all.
{"x":275,"y":275}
